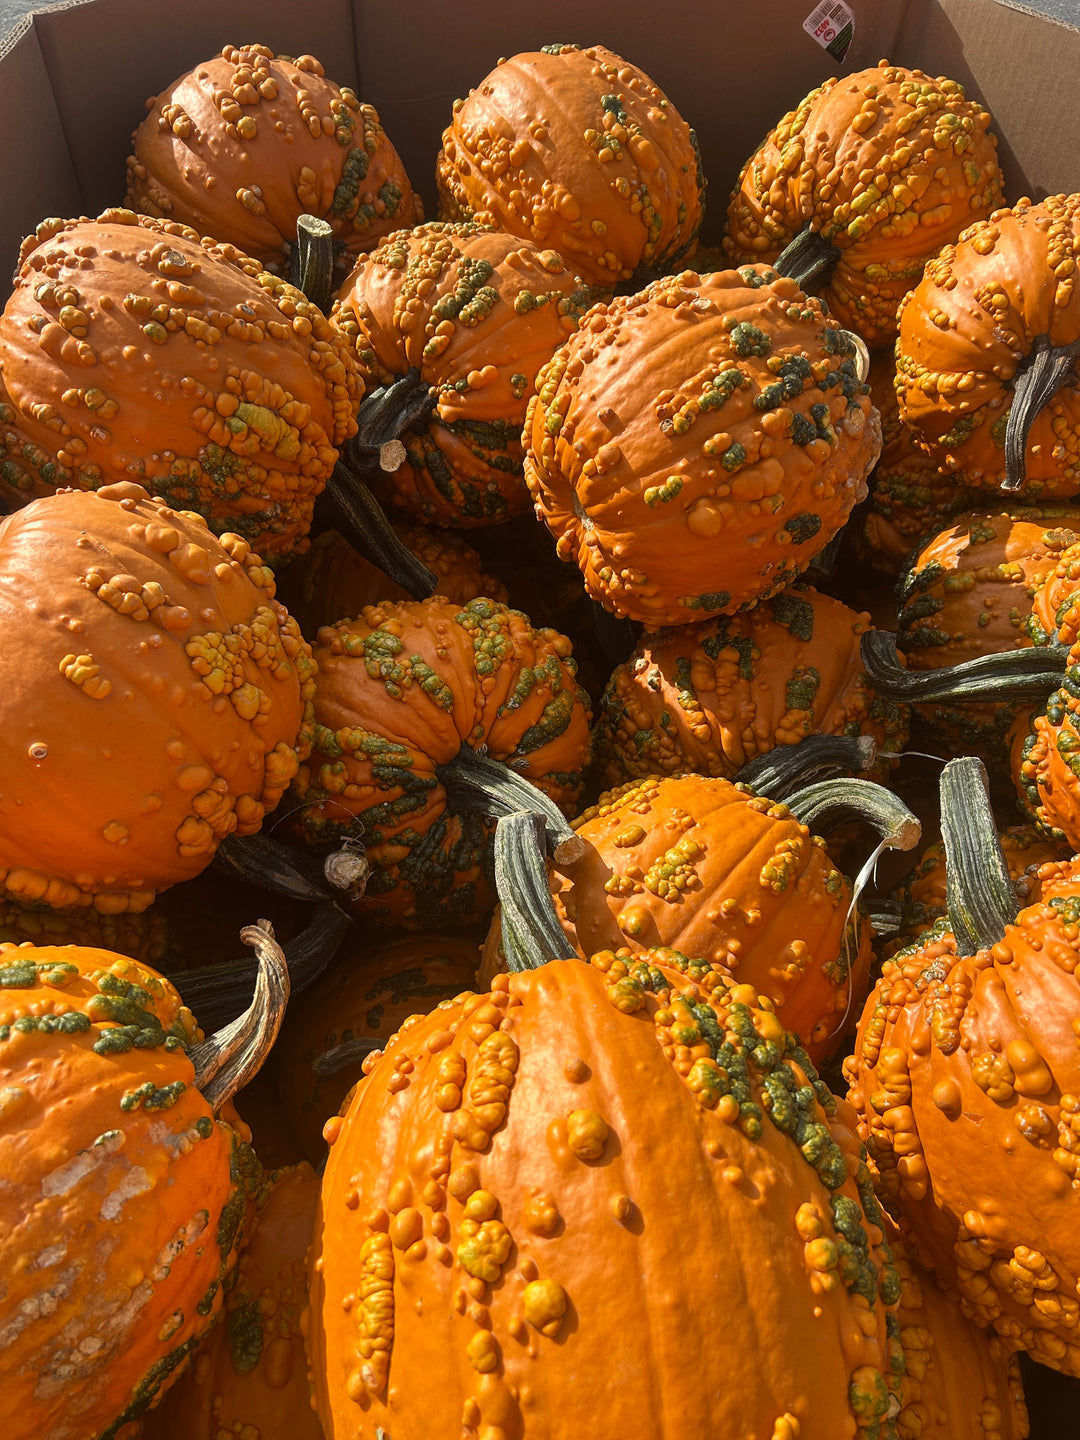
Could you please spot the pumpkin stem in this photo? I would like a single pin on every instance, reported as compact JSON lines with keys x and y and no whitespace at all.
{"x":216,"y":994}
{"x":531,"y":933}
{"x":385,"y":414}
{"x":788,"y":768}
{"x":1039,"y":376}
{"x":979,"y":894}
{"x":349,"y":1052}
{"x":311,"y":264}
{"x":228,"y":1059}
{"x":348,"y":506}
{"x":806,"y":257}
{"x":831,"y":803}
{"x":1029,"y":674}
{"x":474,"y":782}
{"x":886,"y":917}
{"x":269,"y":864}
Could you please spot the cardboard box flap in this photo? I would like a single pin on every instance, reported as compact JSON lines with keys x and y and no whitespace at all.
{"x":1023,"y":66}
{"x":101,"y":102}
{"x":729,"y":72}
{"x":38,"y":174}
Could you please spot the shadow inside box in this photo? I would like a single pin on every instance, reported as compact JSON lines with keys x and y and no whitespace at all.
{"x":1053,"y":1401}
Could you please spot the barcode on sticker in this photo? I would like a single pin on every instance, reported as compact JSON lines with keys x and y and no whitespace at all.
{"x":832,"y":24}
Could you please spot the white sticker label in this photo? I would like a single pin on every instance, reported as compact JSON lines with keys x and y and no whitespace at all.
{"x":832,"y":24}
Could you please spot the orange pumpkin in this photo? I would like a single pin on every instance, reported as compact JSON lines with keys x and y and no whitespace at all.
{"x":331,"y":581}
{"x":244,"y":144}
{"x":955,"y":1374}
{"x":407,"y":693}
{"x":462,"y":317}
{"x":967,"y":592}
{"x":512,"y":1228}
{"x":866,"y":179}
{"x":712,"y":696}
{"x":707,"y":867}
{"x":577,"y":149}
{"x":249,"y":1376}
{"x":710,"y":412}
{"x":131,"y":349}
{"x":922,"y":894}
{"x":967,"y":1082}
{"x":155,"y":697}
{"x":354,"y":1009}
{"x":986,"y":370}
{"x":126,"y":1193}
{"x":147,"y":936}
{"x":910,"y":498}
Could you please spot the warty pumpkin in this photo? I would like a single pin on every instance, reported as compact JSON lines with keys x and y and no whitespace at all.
{"x":921,"y":896}
{"x":519,"y":1224}
{"x":966,"y":1079}
{"x":146,"y":936}
{"x":449,"y":325}
{"x":577,"y":149}
{"x":957,"y":1376}
{"x":243,"y":144}
{"x":332,"y":581}
{"x":249,"y":1375}
{"x":126,"y":1187}
{"x":909,"y":496}
{"x":155,"y":697}
{"x":133,"y":349}
{"x":1044,"y":738}
{"x":375,"y":984}
{"x":708,"y":867}
{"x":710,"y":697}
{"x":968,"y":591}
{"x":861,"y":184}
{"x":407,"y":696}
{"x":693,"y":446}
{"x":986,"y":352}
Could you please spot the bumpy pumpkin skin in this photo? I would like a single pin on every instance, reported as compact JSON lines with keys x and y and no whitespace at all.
{"x":146,"y":936}
{"x":909,"y":497}
{"x":887,"y":164}
{"x":512,"y":1225}
{"x":707,"y":698}
{"x":249,"y":1376}
{"x":134,"y":350}
{"x":333,"y":581}
{"x":401,"y":689}
{"x":694,"y":446}
{"x":371,"y":989}
{"x":576,"y":149}
{"x":967,"y":1081}
{"x":156,"y":698}
{"x":1045,"y":740}
{"x":956,"y":1376}
{"x":476,"y":313}
{"x":243,"y":145}
{"x":966,"y":327}
{"x":922,"y":893}
{"x":968,"y":591}
{"x":706,"y":867}
{"x":125,"y":1200}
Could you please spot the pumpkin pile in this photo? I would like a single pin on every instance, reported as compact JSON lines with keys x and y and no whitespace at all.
{"x":629,"y":865}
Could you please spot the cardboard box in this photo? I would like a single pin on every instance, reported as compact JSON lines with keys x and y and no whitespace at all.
{"x":732,"y":71}
{"x":74,"y":78}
